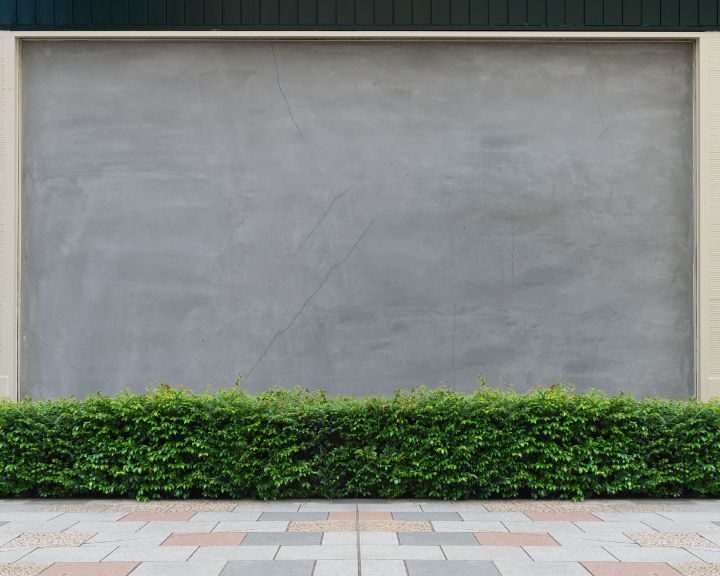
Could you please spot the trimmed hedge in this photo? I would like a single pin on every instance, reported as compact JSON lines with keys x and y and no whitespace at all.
{"x":295,"y":444}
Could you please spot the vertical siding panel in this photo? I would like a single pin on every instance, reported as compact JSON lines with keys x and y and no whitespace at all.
{"x":288,"y":12}
{"x":250,"y":12}
{"x":307,"y":12}
{"x":383,"y":12}
{"x":421,"y":12}
{"x":119,"y":12}
{"x":478,"y":12}
{"x":498,"y":13}
{"x":326,"y":12}
{"x":45,"y":13}
{"x":670,"y":12}
{"x":175,"y":12}
{"x":575,"y":12}
{"x":632,"y":12}
{"x":707,"y":13}
{"x":556,"y":12}
{"x":157,"y":13}
{"x":8,"y":13}
{"x":517,"y":12}
{"x":26,"y":12}
{"x":441,"y":12}
{"x":269,"y":12}
{"x":346,"y":12}
{"x":460,"y":12}
{"x":689,"y":13}
{"x":365,"y":12}
{"x":593,"y":12}
{"x":101,"y":12}
{"x":194,"y":12}
{"x":613,"y":13}
{"x":403,"y":12}
{"x":651,"y":12}
{"x":63,"y":12}
{"x":231,"y":12}
{"x":537,"y":12}
{"x":137,"y":12}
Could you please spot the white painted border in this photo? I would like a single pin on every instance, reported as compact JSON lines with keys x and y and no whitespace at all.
{"x":706,"y":161}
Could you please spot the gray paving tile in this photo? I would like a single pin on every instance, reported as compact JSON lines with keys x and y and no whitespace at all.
{"x":437,"y":539}
{"x":279,"y":516}
{"x":383,"y":568}
{"x":208,"y":568}
{"x":1,"y":523}
{"x":450,"y":568}
{"x":517,"y":568}
{"x":282,"y":538}
{"x":269,"y":568}
{"x":427,"y":516}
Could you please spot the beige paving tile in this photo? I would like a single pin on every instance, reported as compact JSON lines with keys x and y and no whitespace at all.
{"x":22,"y":569}
{"x":205,"y":506}
{"x":695,"y":569}
{"x":161,"y":506}
{"x":672,"y":539}
{"x":76,"y":508}
{"x":394,"y":526}
{"x":49,"y":539}
{"x":322,"y":526}
{"x":515,"y":506}
{"x":588,"y":506}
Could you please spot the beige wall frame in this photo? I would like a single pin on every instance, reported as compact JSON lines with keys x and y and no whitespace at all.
{"x":706,"y":160}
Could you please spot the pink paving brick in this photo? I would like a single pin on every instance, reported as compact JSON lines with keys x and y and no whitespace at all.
{"x":630,"y":569}
{"x":90,"y":569}
{"x":350,"y":516}
{"x":514,"y":539}
{"x":205,"y":539}
{"x":157,"y":516}
{"x":562,"y":517}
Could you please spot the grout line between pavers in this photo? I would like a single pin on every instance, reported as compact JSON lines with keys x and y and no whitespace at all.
{"x":611,"y":554}
{"x":357,"y":538}
{"x":407,"y":570}
{"x":442,"y":549}
{"x":312,"y":572}
{"x":528,"y":553}
{"x":108,"y":554}
{"x":192,"y":554}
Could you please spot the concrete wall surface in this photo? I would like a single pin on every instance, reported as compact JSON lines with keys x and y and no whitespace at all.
{"x":357,"y":217}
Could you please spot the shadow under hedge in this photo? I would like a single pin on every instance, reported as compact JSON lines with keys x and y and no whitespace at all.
{"x":296,"y":444}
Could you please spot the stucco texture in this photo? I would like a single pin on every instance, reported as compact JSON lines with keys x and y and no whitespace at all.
{"x":358,"y":217}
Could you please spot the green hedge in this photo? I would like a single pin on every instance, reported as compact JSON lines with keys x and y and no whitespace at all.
{"x":438,"y":444}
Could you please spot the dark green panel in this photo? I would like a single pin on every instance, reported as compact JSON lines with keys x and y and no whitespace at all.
{"x":8,"y":13}
{"x":251,"y":12}
{"x":670,"y":12}
{"x":194,"y":12}
{"x":517,"y":12}
{"x":478,"y":12}
{"x":594,"y":13}
{"x":307,"y":12}
{"x":365,"y":12}
{"x":157,"y":12}
{"x":63,"y":12}
{"x":26,"y":12}
{"x":574,"y":12}
{"x":383,"y":12}
{"x":556,"y":12}
{"x":422,"y":12}
{"x":119,"y":12}
{"x":651,"y":12}
{"x":402,"y":15}
{"x":346,"y":12}
{"x":231,"y":12}
{"x":441,"y":12}
{"x":288,"y":12}
{"x":632,"y":12}
{"x":689,"y":13}
{"x":101,"y":12}
{"x":460,"y":12}
{"x":537,"y":13}
{"x":498,"y":12}
{"x":326,"y":12}
{"x":707,"y":12}
{"x":44,"y":12}
{"x":137,"y":11}
{"x":269,"y":12}
{"x":613,"y":13}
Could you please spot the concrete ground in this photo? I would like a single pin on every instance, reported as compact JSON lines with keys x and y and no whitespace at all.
{"x":362,"y":537}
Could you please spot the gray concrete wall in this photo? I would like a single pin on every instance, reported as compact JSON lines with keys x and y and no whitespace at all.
{"x":357,"y":217}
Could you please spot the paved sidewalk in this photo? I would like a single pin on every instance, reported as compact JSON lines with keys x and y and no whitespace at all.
{"x":363,"y":537}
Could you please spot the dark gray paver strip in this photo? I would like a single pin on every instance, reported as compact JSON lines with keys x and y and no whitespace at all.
{"x":428,"y":516}
{"x":293,"y":516}
{"x":282,"y":539}
{"x":268,"y":568}
{"x":450,"y":568}
{"x":437,"y":539}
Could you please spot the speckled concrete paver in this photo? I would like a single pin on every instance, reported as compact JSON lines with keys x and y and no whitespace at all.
{"x":359,"y":538}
